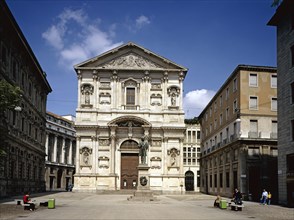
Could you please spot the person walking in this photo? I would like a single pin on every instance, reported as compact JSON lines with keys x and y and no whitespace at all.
{"x":264,"y":196}
{"x":269,"y":197}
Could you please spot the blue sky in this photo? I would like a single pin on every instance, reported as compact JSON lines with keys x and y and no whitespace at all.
{"x":209,"y":37}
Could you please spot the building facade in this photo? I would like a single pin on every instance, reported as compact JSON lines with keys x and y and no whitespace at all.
{"x":191,"y":158}
{"x":60,"y":152}
{"x":239,"y":135}
{"x":284,"y":21}
{"x":22,"y":168}
{"x":123,"y":95}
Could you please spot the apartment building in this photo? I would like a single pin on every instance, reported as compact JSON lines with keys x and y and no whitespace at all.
{"x":239,"y":135}
{"x":191,"y":157}
{"x":283,"y":19}
{"x":60,"y":152}
{"x":22,"y":168}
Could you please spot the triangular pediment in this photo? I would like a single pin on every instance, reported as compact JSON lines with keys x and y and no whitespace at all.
{"x":130,"y":56}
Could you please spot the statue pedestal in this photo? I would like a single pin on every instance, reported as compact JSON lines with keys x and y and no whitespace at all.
{"x":143,"y":192}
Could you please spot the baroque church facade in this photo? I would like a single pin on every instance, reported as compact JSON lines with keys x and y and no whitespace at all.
{"x":124,"y":95}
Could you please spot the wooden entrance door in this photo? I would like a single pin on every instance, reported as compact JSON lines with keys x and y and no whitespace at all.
{"x":129,"y":172}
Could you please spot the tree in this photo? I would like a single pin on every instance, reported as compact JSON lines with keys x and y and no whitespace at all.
{"x":9,"y":98}
{"x":192,"y":121}
{"x":276,"y":3}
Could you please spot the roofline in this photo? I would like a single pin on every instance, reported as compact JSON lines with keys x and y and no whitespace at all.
{"x":236,"y":70}
{"x":77,"y":66}
{"x":58,"y":116}
{"x":26,"y":44}
{"x":284,"y":9}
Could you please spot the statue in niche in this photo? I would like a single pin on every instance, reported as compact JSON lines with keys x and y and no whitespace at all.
{"x":143,"y":147}
{"x":86,"y":158}
{"x":87,"y":97}
{"x":173,"y":99}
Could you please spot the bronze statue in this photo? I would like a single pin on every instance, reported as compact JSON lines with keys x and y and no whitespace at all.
{"x":143,"y":147}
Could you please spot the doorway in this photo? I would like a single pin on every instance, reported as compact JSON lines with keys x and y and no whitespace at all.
{"x":189,"y":181}
{"x":129,"y":171}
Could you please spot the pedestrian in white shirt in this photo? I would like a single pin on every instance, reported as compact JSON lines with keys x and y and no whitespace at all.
{"x":264,"y":196}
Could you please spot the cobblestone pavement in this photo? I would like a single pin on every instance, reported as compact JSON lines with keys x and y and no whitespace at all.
{"x":70,"y":205}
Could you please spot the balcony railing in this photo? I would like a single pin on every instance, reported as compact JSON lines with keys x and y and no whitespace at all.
{"x":253,"y":134}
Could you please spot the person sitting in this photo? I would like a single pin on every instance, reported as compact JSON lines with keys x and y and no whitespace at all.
{"x":26,"y":200}
{"x":237,"y":197}
{"x":217,"y":201}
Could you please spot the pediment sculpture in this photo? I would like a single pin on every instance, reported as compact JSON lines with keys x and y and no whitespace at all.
{"x":131,"y":60}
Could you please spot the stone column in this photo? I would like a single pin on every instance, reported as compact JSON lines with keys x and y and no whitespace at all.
{"x":242,"y":171}
{"x":114,"y":91}
{"x":181,"y":78}
{"x":95,"y":89}
{"x":164,"y":89}
{"x":54,"y":159}
{"x":164,"y":155}
{"x":70,"y":161}
{"x":79,"y":88}
{"x":78,"y":144}
{"x":113,"y":148}
{"x":62,"y":149}
{"x":47,"y":146}
{"x":208,"y":174}
{"x":181,"y":156}
{"x":94,"y":154}
{"x":231,"y":172}
{"x":218,"y":173}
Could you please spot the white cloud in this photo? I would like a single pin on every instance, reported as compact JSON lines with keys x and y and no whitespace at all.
{"x":141,"y":21}
{"x":76,"y":38}
{"x":195,"y":101}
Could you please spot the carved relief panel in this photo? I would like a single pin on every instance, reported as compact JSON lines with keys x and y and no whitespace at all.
{"x":174,"y":157}
{"x":156,"y":99}
{"x":85,"y":157}
{"x":155,"y":162}
{"x":103,"y":162}
{"x":104,"y":98}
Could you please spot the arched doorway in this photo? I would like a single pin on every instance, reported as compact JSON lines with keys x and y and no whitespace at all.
{"x":189,"y":181}
{"x":129,"y":163}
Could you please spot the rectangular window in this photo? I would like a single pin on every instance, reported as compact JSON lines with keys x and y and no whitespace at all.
{"x":253,"y":82}
{"x":221,"y":180}
{"x":221,"y":101}
{"x":210,"y":178}
{"x":292,"y":92}
{"x":292,"y":125}
{"x":198,"y":135}
{"x":227,"y":179}
{"x":253,"y":133}
{"x":274,"y":104}
{"x":221,"y":119}
{"x":130,"y":96}
{"x":235,"y":107}
{"x":292,"y":56}
{"x":235,"y":85}
{"x":274,"y":81}
{"x":227,"y":113}
{"x":215,"y":180}
{"x":253,"y":103}
{"x":227,"y":93}
{"x":274,"y":133}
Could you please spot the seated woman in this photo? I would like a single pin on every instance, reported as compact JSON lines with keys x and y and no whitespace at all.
{"x":217,"y":201}
{"x":238,"y":197}
{"x":26,"y":200}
